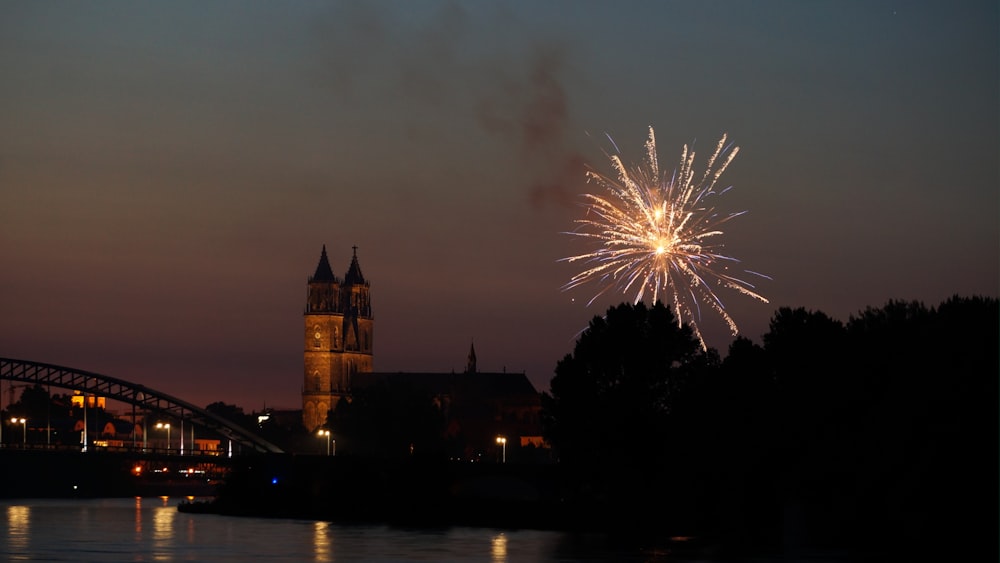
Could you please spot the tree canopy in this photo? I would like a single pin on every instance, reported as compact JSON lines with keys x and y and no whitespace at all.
{"x":882,"y":429}
{"x":608,"y":412}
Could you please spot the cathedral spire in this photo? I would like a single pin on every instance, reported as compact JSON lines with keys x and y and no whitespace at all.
{"x":353,"y":275}
{"x":323,"y":271}
{"x":471,"y":366}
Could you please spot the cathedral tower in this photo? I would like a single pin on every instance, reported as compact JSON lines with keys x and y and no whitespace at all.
{"x":338,"y":338}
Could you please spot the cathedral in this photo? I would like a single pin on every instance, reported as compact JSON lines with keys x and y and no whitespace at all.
{"x":338,"y":337}
{"x":481,"y":408}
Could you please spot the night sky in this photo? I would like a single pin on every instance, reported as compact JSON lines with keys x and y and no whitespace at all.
{"x":170,"y":171}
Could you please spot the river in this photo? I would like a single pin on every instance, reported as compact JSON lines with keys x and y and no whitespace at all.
{"x":143,"y":529}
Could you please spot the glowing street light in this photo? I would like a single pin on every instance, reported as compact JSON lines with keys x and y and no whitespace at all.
{"x":326,"y":434}
{"x":165,"y":425}
{"x":502,"y":440}
{"x":24,"y":429}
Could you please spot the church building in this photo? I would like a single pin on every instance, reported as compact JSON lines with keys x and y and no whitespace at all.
{"x":338,"y":338}
{"x":481,"y":408}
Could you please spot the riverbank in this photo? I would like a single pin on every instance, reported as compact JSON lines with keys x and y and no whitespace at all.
{"x":437,"y":494}
{"x":427,"y":493}
{"x":42,"y":473}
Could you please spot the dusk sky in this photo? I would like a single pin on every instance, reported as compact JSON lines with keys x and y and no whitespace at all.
{"x":170,"y":171}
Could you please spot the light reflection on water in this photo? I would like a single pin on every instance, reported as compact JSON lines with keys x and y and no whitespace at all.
{"x":19,"y":524}
{"x":163,"y":528}
{"x":138,"y":518}
{"x":152,"y":529}
{"x":499,"y":548}
{"x":321,"y":542}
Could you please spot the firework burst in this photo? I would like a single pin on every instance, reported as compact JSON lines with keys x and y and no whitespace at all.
{"x":657,"y":235}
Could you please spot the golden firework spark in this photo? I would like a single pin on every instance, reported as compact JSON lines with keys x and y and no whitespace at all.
{"x":657,"y":234}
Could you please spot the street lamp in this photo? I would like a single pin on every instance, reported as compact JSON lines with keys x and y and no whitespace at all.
{"x":165,"y":425}
{"x":326,"y":434}
{"x":502,"y":440}
{"x":24,"y":429}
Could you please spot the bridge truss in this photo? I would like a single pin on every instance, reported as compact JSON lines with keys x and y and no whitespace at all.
{"x":149,"y":400}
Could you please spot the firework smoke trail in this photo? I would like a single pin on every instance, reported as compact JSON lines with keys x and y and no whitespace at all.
{"x":655,"y":234}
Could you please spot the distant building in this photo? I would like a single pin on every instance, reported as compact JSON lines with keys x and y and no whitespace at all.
{"x":338,"y":359}
{"x":478,"y":408}
{"x":338,"y":338}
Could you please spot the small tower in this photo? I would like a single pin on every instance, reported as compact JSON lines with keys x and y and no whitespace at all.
{"x":338,"y":338}
{"x":470,"y":367}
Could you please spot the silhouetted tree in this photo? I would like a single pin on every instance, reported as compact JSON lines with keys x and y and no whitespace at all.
{"x":34,"y":403}
{"x":878,"y":435}
{"x":809,"y":356}
{"x":609,"y":408}
{"x":728,"y":434}
{"x":233,"y":414}
{"x":926,"y":457}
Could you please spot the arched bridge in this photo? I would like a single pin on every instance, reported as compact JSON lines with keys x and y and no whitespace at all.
{"x":131,"y":393}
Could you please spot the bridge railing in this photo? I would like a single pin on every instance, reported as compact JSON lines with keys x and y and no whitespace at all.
{"x":138,"y":449}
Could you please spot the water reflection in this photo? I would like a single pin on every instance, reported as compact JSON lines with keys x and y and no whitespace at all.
{"x":321,"y":542}
{"x":189,"y":532}
{"x":18,"y":527}
{"x":138,"y":518}
{"x":70,"y":530}
{"x":499,"y":548}
{"x":163,"y":531}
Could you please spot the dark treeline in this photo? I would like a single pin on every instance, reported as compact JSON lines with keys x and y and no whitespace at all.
{"x":875,"y":435}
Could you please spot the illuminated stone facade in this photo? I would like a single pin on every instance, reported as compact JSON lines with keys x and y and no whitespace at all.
{"x":337,"y":340}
